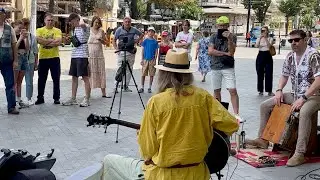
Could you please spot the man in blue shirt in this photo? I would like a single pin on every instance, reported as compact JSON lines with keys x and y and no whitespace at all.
{"x":149,"y":55}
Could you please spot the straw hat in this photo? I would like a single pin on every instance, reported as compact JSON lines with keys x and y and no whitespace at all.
{"x":176,"y":61}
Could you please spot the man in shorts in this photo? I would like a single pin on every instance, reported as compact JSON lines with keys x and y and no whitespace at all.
{"x":149,"y":55}
{"x":79,"y":61}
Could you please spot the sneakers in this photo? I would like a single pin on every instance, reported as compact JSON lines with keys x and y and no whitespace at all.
{"x":13,"y":111}
{"x":22,"y":104}
{"x":70,"y":102}
{"x":271,"y":94}
{"x":107,"y":96}
{"x":149,"y":90}
{"x":141,"y":90}
{"x":296,"y":160}
{"x":56,"y":102}
{"x":260,"y":143}
{"x":126,"y":89}
{"x":30,"y":102}
{"x":85,"y":102}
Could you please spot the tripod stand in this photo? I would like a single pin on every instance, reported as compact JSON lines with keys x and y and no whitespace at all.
{"x":122,"y":77}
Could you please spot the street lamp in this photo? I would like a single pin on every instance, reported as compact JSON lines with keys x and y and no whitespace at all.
{"x":249,"y":14}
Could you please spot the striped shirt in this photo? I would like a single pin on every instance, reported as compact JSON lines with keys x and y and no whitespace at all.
{"x":83,"y":35}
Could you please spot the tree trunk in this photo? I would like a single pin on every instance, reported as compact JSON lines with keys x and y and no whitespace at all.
{"x":287,"y":25}
{"x":148,"y":11}
{"x":51,"y":6}
{"x":134,"y":9}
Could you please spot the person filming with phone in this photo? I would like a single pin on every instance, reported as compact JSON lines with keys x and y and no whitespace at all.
{"x":124,"y":41}
{"x":222,"y":47}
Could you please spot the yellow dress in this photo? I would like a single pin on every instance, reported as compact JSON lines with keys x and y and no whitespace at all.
{"x":179,"y":131}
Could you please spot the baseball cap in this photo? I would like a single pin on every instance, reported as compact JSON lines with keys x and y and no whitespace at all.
{"x":151,"y":28}
{"x":222,"y":20}
{"x":164,"y":33}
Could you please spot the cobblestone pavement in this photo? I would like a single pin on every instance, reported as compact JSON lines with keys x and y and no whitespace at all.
{"x":40,"y":128}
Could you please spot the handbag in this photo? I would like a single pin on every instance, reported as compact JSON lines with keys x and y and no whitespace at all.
{"x":272,"y":50}
{"x":75,"y":41}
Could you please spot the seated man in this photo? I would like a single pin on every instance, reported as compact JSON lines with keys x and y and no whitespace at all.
{"x":176,"y":130}
{"x":303,"y":66}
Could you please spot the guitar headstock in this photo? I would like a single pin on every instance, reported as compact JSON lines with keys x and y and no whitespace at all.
{"x":99,"y":120}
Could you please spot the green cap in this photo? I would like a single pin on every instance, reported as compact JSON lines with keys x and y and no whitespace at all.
{"x":222,"y":20}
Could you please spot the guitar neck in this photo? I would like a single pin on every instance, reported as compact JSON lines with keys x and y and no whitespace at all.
{"x":127,"y":124}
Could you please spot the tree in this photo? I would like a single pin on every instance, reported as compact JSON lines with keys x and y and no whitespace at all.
{"x":290,"y":8}
{"x":51,"y":6}
{"x":168,"y":6}
{"x":87,"y":6}
{"x":142,"y":9}
{"x":190,"y":10}
{"x":260,"y":7}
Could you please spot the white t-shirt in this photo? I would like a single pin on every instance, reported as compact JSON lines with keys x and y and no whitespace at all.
{"x":185,"y":38}
{"x":263,"y":44}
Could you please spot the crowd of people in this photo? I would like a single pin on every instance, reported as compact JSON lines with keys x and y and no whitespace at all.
{"x":178,"y":122}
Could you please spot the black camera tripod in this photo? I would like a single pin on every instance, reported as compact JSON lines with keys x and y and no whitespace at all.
{"x":122,"y":77}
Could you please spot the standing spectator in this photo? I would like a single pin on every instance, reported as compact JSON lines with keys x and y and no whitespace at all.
{"x":202,"y":53}
{"x":149,"y":55}
{"x":79,"y":60}
{"x":309,"y":39}
{"x":184,"y":38}
{"x":248,"y":38}
{"x":8,"y":60}
{"x":124,"y":35}
{"x":23,"y":49}
{"x":49,"y":39}
{"x":222,"y":48}
{"x":32,"y":62}
{"x":96,"y":57}
{"x":165,"y":45}
{"x":264,"y":62}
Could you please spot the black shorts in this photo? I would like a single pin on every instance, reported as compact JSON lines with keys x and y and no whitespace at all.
{"x":79,"y":67}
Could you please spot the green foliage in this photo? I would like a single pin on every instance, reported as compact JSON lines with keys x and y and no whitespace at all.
{"x":190,"y":10}
{"x":142,"y":9}
{"x":290,"y":8}
{"x":260,"y":7}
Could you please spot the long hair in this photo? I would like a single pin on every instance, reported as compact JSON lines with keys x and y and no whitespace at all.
{"x":174,"y":80}
{"x":94,"y":19}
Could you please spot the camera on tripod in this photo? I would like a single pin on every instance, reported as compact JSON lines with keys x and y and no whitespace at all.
{"x":126,"y":43}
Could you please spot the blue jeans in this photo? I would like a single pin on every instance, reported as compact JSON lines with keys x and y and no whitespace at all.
{"x":29,"y":80}
{"x":8,"y":77}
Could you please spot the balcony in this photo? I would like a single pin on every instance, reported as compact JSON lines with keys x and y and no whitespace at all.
{"x":5,"y":2}
{"x":71,"y":2}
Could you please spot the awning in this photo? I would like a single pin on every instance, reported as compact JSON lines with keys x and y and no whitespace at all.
{"x":217,"y":10}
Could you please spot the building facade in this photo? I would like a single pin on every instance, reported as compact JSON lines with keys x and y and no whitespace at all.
{"x":233,"y":9}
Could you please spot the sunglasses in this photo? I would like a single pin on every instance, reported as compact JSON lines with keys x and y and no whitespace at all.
{"x":295,"y":40}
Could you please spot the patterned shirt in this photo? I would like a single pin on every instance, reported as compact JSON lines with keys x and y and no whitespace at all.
{"x":302,"y":74}
{"x":81,"y":51}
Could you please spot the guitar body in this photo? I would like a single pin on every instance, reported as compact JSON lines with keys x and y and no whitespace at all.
{"x":218,"y":152}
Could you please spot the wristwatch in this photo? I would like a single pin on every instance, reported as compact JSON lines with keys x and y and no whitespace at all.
{"x":304,"y":97}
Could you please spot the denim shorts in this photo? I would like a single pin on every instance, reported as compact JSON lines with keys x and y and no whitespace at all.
{"x":22,"y":62}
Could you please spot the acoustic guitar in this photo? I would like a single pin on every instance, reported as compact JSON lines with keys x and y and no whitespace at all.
{"x":216,"y":157}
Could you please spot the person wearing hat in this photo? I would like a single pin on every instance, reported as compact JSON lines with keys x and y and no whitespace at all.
{"x":222,"y":47}
{"x":8,"y":60}
{"x":164,"y":46}
{"x":150,"y":48}
{"x":176,"y":128}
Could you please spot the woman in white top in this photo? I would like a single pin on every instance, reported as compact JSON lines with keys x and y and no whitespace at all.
{"x":264,"y":62}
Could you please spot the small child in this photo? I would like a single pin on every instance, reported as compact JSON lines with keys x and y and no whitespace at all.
{"x":149,"y":55}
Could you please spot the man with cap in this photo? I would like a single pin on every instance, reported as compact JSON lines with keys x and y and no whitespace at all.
{"x":176,"y":128}
{"x":8,"y":60}
{"x":149,"y":55}
{"x":222,"y":48}
{"x":124,"y":40}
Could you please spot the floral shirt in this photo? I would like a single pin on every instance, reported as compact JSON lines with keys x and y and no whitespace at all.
{"x":302,"y":74}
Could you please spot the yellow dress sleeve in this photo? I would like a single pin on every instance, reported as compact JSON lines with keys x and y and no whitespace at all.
{"x":220,"y":117}
{"x":147,"y":138}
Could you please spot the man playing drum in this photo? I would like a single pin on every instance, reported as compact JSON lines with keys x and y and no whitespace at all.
{"x":303,"y":66}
